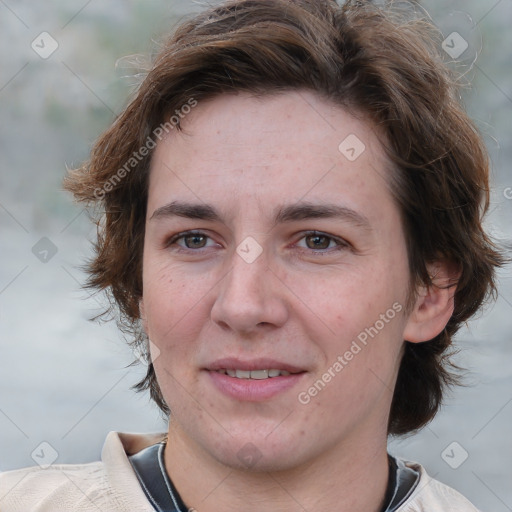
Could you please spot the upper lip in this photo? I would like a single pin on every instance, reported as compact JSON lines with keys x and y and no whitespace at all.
{"x":232,"y":363}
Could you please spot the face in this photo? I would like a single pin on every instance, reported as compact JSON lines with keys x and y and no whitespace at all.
{"x":275,"y":277}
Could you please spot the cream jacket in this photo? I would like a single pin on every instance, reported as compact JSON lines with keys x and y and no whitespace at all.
{"x":111,"y":485}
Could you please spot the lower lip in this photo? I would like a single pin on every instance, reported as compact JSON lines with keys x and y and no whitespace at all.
{"x":254,"y":390}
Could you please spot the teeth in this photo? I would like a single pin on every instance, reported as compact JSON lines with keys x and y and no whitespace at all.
{"x":259,"y":374}
{"x":254,"y":374}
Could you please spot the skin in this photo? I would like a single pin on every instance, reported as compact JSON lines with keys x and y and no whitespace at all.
{"x":303,"y":300}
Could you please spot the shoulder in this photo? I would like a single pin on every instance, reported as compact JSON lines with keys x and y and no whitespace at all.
{"x":431,"y":494}
{"x":58,"y":487}
{"x":109,"y":484}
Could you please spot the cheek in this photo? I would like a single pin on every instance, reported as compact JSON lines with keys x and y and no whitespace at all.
{"x":359,"y":314}
{"x":172,"y":304}
{"x":344,"y":301}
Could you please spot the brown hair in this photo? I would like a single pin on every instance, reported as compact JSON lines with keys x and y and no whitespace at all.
{"x":380,"y":62}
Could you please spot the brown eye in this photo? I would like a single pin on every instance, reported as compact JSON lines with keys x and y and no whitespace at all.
{"x":318,"y":241}
{"x":190,"y":240}
{"x":195,"y":241}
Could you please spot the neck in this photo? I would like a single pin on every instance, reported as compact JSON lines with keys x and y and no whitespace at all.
{"x":352,"y":477}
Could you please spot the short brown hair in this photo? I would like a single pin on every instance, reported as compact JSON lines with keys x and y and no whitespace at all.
{"x":379,"y":62}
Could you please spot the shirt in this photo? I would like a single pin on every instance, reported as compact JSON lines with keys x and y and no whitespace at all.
{"x":111,"y":484}
{"x":149,"y":467}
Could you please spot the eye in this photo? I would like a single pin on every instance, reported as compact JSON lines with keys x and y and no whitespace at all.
{"x":318,"y":241}
{"x":192,"y":240}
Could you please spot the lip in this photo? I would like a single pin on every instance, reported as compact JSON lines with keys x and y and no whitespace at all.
{"x":255,"y":364}
{"x":253,"y":390}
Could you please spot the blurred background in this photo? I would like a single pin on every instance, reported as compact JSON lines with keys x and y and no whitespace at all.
{"x":65,"y":380}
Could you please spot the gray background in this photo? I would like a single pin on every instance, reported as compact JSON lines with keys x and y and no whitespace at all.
{"x":65,"y":380}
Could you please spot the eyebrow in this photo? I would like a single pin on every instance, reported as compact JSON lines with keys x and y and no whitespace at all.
{"x":286,"y":213}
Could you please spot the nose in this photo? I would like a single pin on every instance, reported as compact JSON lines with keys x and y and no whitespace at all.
{"x":249,"y":297}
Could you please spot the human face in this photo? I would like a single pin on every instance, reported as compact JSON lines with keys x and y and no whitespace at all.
{"x":274,"y":277}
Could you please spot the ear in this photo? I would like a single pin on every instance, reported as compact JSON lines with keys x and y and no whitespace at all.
{"x":434,"y":304}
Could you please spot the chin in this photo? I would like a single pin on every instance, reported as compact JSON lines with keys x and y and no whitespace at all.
{"x":252,"y":459}
{"x":256,"y":452}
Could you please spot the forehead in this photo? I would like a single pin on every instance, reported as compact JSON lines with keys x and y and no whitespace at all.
{"x":294,"y":145}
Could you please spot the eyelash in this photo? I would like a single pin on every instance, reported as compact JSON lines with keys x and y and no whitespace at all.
{"x":341,"y":244}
